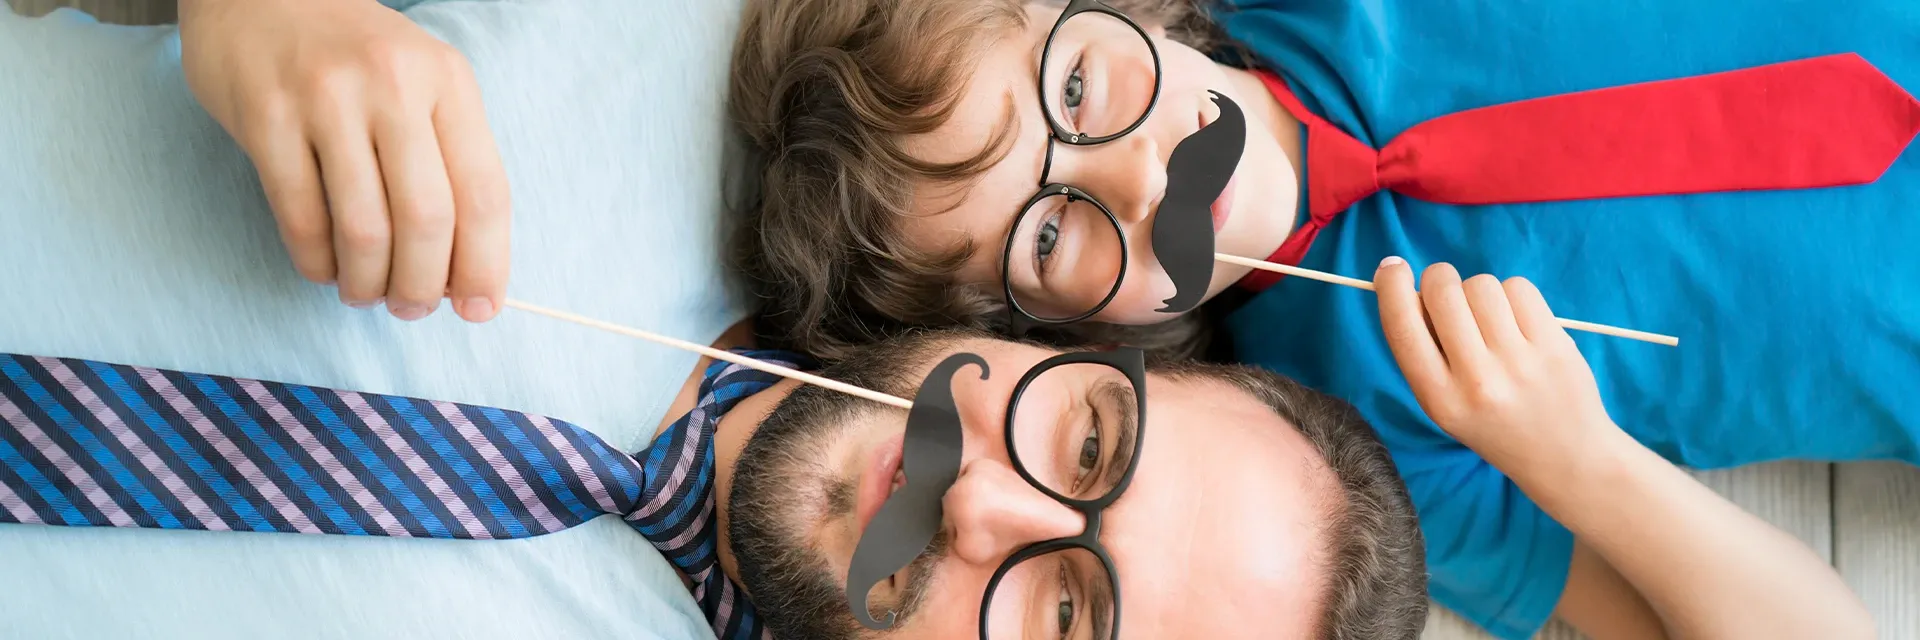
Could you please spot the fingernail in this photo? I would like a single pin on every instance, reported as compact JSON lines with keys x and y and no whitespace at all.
{"x":366,"y":304}
{"x":477,"y":307}
{"x":1391,"y":261}
{"x":412,"y":312}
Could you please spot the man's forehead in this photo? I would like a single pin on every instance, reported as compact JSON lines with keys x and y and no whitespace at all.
{"x":999,"y":353}
{"x":1014,"y":358}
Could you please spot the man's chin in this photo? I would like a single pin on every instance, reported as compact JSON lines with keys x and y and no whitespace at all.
{"x":782,"y":493}
{"x":789,"y":497}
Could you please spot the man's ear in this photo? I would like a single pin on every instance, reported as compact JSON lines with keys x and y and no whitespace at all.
{"x":1158,"y":31}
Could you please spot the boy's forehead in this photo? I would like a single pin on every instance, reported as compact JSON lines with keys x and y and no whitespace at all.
{"x":1001,"y":77}
{"x":980,"y":206}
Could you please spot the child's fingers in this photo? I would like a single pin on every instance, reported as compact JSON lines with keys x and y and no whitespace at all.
{"x":1453,"y":321}
{"x":1530,"y":310}
{"x":1493,"y":313}
{"x":1404,"y":321}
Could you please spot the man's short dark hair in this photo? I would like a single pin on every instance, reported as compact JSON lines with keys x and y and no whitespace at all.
{"x":1376,"y":558}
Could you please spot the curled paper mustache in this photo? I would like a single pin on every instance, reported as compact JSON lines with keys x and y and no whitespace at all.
{"x":1199,"y":169}
{"x":910,"y":519}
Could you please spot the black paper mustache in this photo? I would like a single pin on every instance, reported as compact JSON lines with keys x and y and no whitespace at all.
{"x":910,"y":519}
{"x":1199,"y":169}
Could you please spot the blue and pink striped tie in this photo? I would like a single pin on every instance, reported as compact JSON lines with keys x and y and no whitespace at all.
{"x":85,"y":443}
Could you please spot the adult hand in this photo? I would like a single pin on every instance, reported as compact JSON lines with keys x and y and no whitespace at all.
{"x":1490,"y":365}
{"x":369,"y":137}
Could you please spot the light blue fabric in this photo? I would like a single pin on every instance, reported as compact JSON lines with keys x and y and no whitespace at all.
{"x":1798,"y":311}
{"x":133,"y":230}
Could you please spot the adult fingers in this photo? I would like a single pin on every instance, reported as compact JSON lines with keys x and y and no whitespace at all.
{"x":1403,"y":319}
{"x":1492,"y":312}
{"x":1452,"y":318}
{"x":482,"y":202}
{"x":290,"y":174}
{"x":421,"y":206}
{"x":356,"y":198}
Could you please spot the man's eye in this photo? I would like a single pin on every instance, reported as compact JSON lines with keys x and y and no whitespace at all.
{"x":1066,"y":605}
{"x":1090,"y":453}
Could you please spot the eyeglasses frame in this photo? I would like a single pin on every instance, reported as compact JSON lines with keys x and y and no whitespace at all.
{"x":1019,"y":319}
{"x":1130,"y":362}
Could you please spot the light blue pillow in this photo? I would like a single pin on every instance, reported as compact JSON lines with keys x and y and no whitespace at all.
{"x":133,"y":230}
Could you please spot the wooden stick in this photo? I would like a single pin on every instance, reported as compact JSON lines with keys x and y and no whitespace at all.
{"x":716,"y":354}
{"x":1363,"y":284}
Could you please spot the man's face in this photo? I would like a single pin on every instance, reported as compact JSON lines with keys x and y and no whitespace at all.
{"x":1218,"y":536}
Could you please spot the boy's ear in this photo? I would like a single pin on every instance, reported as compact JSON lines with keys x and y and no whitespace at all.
{"x":1157,"y":31}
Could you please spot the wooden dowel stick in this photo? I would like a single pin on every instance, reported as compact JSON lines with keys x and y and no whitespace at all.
{"x":716,"y":354}
{"x":1363,"y":284}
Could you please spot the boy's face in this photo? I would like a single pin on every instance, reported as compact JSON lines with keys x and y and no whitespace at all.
{"x":1064,"y":256}
{"x":1218,"y":535}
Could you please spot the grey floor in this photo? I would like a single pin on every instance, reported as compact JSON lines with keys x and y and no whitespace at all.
{"x":1865,"y":518}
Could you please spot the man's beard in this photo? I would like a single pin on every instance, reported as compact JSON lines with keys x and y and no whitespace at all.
{"x":781,"y":488}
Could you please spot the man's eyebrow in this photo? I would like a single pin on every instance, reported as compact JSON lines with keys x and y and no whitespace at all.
{"x":1103,"y":608}
{"x":1125,"y":400}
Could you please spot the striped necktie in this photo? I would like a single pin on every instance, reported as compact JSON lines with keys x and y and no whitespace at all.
{"x":85,"y":443}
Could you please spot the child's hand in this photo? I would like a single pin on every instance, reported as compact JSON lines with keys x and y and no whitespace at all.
{"x":1490,"y":364}
{"x":371,"y":142}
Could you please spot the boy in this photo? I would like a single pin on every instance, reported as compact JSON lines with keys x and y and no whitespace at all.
{"x":912,"y":168}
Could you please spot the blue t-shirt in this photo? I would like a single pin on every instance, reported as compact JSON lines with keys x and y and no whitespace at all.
{"x":1798,"y":311}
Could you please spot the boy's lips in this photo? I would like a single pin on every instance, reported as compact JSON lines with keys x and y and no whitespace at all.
{"x":1223,"y":205}
{"x":881,"y":478}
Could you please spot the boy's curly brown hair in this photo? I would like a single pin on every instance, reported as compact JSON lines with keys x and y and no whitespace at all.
{"x":828,"y":92}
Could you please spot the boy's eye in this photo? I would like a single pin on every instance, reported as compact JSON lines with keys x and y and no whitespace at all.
{"x":1048,"y":236}
{"x":1074,"y":91}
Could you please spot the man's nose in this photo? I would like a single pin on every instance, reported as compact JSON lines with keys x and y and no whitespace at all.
{"x":1128,"y":175}
{"x":994,"y":513}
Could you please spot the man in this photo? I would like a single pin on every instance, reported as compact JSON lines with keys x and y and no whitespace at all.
{"x":1273,"y":496}
{"x":1257,"y":508}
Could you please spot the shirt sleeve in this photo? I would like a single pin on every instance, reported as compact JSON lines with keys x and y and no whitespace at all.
{"x":1494,"y":556}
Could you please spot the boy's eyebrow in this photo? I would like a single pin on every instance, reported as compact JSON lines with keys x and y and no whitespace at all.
{"x":1018,"y":198}
{"x":1012,"y":121}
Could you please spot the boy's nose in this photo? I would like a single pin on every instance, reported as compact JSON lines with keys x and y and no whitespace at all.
{"x":1129,"y":176}
{"x":994,"y":513}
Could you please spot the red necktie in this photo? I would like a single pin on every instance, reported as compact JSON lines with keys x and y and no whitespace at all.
{"x":1820,"y":122}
